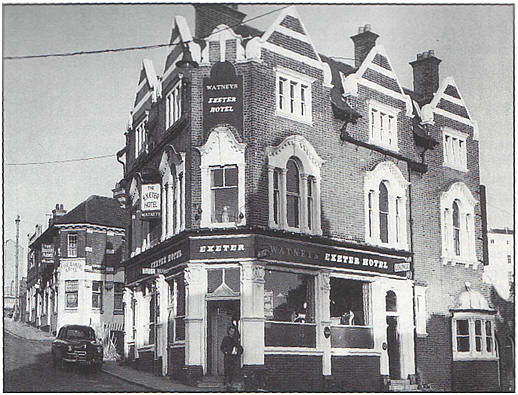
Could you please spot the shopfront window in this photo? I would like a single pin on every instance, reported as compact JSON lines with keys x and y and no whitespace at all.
{"x":289,"y":309}
{"x":176,"y":325}
{"x":349,"y":309}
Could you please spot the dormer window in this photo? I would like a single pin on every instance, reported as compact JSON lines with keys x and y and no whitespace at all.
{"x":383,"y":125}
{"x":293,"y":95}
{"x":454,"y":149}
{"x":173,"y":105}
{"x":140,"y":139}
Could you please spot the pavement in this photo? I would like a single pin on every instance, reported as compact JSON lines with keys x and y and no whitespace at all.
{"x":147,"y":380}
{"x":27,"y":356}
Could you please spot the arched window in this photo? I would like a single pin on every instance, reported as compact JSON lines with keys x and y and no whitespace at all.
{"x":293,"y":193}
{"x":390,"y":301}
{"x":384,"y":212}
{"x":385,"y":191}
{"x":458,"y":225}
{"x":172,"y":167}
{"x":294,"y":186}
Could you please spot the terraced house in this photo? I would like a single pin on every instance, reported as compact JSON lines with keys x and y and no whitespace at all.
{"x":330,"y":213}
{"x":74,"y":274}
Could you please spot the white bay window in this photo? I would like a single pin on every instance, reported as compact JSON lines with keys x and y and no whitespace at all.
{"x":222,"y":180}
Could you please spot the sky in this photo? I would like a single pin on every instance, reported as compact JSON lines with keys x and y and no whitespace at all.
{"x":78,"y":107}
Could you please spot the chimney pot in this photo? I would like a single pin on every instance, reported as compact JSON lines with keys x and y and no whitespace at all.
{"x":364,"y":41}
{"x":431,"y":52}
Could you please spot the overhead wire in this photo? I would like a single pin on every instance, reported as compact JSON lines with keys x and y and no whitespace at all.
{"x":60,"y":161}
{"x":135,"y":48}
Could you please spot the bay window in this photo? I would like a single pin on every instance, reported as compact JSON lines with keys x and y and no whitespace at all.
{"x":294,"y":186}
{"x":473,"y":337}
{"x":289,"y":309}
{"x":224,"y":194}
{"x":222,"y":180}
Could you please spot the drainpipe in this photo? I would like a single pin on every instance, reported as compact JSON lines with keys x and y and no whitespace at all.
{"x":413,"y":262}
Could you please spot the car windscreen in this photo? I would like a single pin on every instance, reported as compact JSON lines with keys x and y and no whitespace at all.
{"x":80,"y":333}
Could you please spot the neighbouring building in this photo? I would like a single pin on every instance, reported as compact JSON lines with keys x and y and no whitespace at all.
{"x":10,"y":272}
{"x":74,"y":272}
{"x":500,"y":274}
{"x":331,"y":214}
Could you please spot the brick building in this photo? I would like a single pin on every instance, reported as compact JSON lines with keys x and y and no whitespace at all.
{"x":331,"y":214}
{"x":74,"y":273}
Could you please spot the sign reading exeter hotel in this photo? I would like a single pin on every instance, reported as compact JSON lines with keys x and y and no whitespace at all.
{"x":223,"y":97}
{"x":150,"y":201}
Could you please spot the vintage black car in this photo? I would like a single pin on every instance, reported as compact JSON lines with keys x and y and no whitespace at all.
{"x":77,"y":345}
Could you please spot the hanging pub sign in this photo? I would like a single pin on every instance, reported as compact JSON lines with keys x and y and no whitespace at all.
{"x":47,"y":253}
{"x":223,"y":98}
{"x":150,"y":201}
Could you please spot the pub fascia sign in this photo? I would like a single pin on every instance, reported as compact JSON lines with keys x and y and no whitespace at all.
{"x":354,"y":259}
{"x":47,"y":253}
{"x":150,"y":201}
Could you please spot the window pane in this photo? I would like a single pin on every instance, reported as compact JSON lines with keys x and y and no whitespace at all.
{"x":383,"y":198}
{"x":346,"y":302}
{"x":463,"y":344}
{"x":289,"y":297}
{"x":180,"y":296}
{"x":71,"y":299}
{"x":231,"y":176}
{"x":225,"y":206}
{"x":96,"y":300}
{"x":478,"y":327}
{"x":478,"y":343}
{"x":292,"y":177}
{"x":488,"y":328}
{"x":489,"y":344}
{"x":117,"y":302}
{"x":276,"y":179}
{"x":293,"y":211}
{"x":217,"y":177}
{"x":462,"y":327}
{"x":456,"y":222}
{"x":383,"y":227}
{"x":390,"y":301}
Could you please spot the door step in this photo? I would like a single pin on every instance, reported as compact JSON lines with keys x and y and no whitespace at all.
{"x":402,"y":386}
{"x":216,"y":383}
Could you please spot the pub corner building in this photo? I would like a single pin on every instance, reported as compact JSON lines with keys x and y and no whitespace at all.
{"x":334,"y":216}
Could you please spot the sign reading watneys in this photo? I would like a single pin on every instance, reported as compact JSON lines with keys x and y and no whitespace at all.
{"x":223,"y":98}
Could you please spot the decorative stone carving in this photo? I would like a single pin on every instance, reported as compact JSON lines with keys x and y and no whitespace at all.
{"x":253,"y":272}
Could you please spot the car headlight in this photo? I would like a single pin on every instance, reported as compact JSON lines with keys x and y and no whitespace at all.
{"x":70,"y":349}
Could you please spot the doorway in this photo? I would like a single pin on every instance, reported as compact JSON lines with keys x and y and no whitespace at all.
{"x":393,"y":347}
{"x":220,"y":315}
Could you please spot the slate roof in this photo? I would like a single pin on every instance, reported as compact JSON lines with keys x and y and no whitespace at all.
{"x":96,"y":210}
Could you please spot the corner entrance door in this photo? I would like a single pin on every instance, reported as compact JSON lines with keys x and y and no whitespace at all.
{"x":220,"y":315}
{"x":393,"y":348}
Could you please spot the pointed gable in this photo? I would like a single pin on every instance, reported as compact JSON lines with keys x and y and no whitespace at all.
{"x":376,"y":72}
{"x":287,"y":36}
{"x":448,"y":102}
{"x":147,"y":86}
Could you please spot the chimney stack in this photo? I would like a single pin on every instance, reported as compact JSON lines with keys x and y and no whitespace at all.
{"x":364,"y":41}
{"x":58,"y":211}
{"x":426,"y":74}
{"x":209,"y":16}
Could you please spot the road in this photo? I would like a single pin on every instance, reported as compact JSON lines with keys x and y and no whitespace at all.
{"x":28,"y":368}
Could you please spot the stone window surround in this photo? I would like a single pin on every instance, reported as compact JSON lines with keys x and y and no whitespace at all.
{"x":447,"y":154}
{"x":397,"y":186}
{"x":221,"y":149}
{"x":310,"y":163}
{"x":169,"y":186}
{"x":390,"y":111}
{"x":299,"y":79}
{"x":459,"y":192}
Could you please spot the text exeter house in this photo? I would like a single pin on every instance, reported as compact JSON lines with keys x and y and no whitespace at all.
{"x":330,"y":213}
